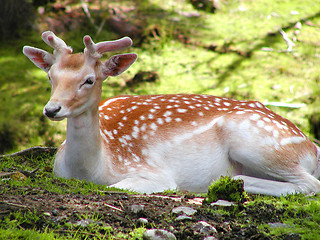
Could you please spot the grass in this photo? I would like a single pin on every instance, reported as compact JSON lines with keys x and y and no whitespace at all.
{"x":238,"y":68}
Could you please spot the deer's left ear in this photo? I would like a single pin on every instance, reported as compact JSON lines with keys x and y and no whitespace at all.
{"x":39,"y":57}
{"x":118,"y":64}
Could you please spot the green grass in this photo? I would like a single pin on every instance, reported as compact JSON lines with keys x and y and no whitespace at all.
{"x":301,"y":215}
{"x":238,"y":68}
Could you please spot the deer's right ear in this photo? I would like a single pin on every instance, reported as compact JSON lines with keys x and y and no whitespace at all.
{"x":39,"y":57}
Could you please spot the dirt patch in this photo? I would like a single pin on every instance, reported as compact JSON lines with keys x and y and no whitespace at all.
{"x":121,"y":213}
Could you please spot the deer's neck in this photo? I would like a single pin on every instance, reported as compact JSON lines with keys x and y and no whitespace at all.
{"x":83,"y":155}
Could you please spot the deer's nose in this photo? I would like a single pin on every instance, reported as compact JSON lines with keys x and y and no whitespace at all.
{"x":52,"y":109}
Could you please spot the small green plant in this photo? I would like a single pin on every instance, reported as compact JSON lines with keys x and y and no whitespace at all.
{"x":228,"y":189}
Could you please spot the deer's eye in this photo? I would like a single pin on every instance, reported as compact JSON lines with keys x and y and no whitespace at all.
{"x":89,"y":81}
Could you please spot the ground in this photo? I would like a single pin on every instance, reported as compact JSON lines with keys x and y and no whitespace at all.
{"x":114,"y":209}
{"x":33,"y":199}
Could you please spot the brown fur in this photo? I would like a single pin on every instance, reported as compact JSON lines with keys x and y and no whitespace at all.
{"x":72,"y":61}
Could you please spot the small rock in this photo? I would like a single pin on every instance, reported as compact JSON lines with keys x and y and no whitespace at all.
{"x":223,"y":203}
{"x":210,"y":238}
{"x":158,"y":234}
{"x":183,"y":217}
{"x":143,"y":221}
{"x":184,"y":211}
{"x":55,"y":212}
{"x":136,"y":208}
{"x":83,"y":223}
{"x":279,"y":225}
{"x":204,"y":228}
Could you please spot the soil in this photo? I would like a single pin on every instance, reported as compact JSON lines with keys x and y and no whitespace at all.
{"x":123,"y":213}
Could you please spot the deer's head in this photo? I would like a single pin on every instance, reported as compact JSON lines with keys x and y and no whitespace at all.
{"x":76,"y":79}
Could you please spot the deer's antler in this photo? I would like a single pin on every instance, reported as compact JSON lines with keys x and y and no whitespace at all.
{"x":96,"y":50}
{"x":59,"y":46}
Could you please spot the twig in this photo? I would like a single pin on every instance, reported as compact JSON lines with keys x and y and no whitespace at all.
{"x":286,"y":105}
{"x":289,"y":43}
{"x":86,"y":11}
{"x":121,"y":205}
{"x":13,"y":204}
{"x":113,"y":207}
{"x":30,"y":152}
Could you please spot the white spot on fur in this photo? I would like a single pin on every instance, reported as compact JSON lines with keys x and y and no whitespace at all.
{"x":255,"y":117}
{"x":291,"y":140}
{"x":259,"y":105}
{"x":268,"y":128}
{"x":181,"y":110}
{"x":260,"y":124}
{"x":143,"y":127}
{"x":153,"y":126}
{"x":275,"y":133}
{"x":142,"y":117}
{"x":160,"y":121}
{"x":167,"y":114}
{"x":168,"y":119}
{"x":239,"y":112}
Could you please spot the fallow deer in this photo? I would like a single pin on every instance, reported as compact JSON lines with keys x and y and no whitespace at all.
{"x":158,"y":142}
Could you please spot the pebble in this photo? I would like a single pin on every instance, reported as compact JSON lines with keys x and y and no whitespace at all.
{"x":279,"y":225}
{"x":136,"y":208}
{"x":83,"y":223}
{"x":55,"y":212}
{"x":184,"y":211}
{"x":204,"y":228}
{"x":183,"y":218}
{"x":223,"y":203}
{"x":143,"y":221}
{"x":158,"y":234}
{"x":210,"y":238}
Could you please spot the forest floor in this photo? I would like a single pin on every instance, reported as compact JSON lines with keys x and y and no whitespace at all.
{"x":36,"y":204}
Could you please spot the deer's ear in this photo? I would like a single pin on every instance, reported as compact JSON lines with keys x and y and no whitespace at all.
{"x":118,"y":64}
{"x":39,"y":57}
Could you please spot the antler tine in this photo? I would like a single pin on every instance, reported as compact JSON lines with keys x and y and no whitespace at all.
{"x":97,"y":50}
{"x":56,"y":43}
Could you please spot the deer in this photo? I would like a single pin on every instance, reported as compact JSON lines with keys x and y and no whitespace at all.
{"x":152,"y":143}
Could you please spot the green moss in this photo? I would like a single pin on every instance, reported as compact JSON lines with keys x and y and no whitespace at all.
{"x":228,"y":189}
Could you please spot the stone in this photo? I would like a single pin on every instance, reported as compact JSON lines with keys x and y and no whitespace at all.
{"x":55,"y":212}
{"x":279,"y":225}
{"x":210,"y":238}
{"x":158,"y":234}
{"x":136,"y":208}
{"x":143,"y":221}
{"x":83,"y":223}
{"x":183,"y":217}
{"x":205,"y":228}
{"x":223,"y":203}
{"x":184,"y":211}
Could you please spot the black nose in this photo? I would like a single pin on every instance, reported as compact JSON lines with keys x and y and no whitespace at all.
{"x":51,"y":112}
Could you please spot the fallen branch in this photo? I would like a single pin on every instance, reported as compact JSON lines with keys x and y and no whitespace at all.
{"x":289,"y":43}
{"x":29,"y":152}
{"x":286,"y":105}
{"x":13,"y":204}
{"x":113,"y":207}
